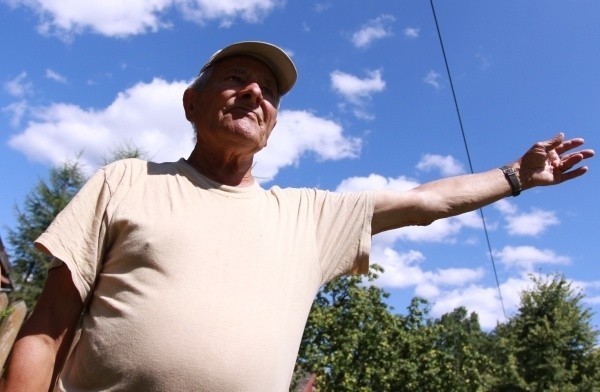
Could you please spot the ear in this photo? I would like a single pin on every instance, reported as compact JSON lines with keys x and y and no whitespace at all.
{"x":189,"y":103}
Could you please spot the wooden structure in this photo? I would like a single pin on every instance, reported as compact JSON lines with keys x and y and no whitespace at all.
{"x":6,"y":283}
{"x":13,"y":315}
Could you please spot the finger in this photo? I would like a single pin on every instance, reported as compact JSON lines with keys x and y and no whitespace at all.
{"x":574,"y":173}
{"x":568,"y":161}
{"x":553,"y":143}
{"x":574,"y":158}
{"x":587,"y":153}
{"x":570,"y":144}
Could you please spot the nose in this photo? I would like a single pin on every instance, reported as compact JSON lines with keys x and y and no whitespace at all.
{"x":252,"y":91}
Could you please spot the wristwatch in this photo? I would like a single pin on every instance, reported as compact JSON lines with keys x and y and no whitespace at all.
{"x":512,"y":179}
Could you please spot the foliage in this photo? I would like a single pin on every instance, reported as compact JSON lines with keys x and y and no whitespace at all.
{"x":4,"y":313}
{"x":349,"y":327}
{"x":354,"y":342}
{"x":41,"y":205}
{"x":125,"y":150}
{"x":461,"y":361}
{"x":552,"y":342}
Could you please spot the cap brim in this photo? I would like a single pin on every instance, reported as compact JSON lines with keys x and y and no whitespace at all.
{"x":274,"y":57}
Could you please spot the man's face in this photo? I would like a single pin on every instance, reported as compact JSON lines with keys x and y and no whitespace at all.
{"x":238,"y":104}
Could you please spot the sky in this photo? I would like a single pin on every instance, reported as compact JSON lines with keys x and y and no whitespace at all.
{"x":372,"y":109}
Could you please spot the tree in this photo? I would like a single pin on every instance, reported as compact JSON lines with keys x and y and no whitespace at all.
{"x":551,"y":340}
{"x":125,"y":150}
{"x":41,"y":205}
{"x":445,"y":354}
{"x":350,"y":337}
{"x":353,"y":342}
{"x":463,"y":362}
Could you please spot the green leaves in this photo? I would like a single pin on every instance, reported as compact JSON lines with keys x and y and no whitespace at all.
{"x":554,"y":342}
{"x":41,"y":205}
{"x":355,"y":342}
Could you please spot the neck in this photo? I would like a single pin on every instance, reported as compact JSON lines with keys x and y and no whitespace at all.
{"x":226,"y":169}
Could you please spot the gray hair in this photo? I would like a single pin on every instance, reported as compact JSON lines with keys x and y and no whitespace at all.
{"x":202,"y":80}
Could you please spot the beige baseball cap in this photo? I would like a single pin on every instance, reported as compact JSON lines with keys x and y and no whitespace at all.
{"x":280,"y":63}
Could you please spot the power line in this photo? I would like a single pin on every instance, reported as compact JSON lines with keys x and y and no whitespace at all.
{"x":464,"y":137}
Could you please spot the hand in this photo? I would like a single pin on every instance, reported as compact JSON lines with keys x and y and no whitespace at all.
{"x":547,"y":163}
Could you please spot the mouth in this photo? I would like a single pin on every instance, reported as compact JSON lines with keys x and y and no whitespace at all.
{"x":244,"y":112}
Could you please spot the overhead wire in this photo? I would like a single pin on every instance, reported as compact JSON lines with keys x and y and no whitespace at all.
{"x":464,"y":137}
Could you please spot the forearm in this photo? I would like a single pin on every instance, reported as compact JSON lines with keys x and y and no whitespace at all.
{"x":30,"y":352}
{"x":438,"y":199}
{"x":45,"y":339}
{"x":457,"y":195}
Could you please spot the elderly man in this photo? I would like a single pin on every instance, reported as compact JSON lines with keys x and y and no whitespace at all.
{"x":189,"y":276}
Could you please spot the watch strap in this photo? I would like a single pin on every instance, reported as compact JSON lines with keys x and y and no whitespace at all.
{"x":513,"y":180}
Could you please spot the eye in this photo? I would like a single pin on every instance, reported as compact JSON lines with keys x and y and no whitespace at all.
{"x":267,"y":91}
{"x":234,"y":78}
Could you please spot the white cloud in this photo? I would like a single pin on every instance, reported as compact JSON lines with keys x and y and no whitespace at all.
{"x":446,"y":165}
{"x":227,"y":11}
{"x":53,"y":75}
{"x":532,"y":223}
{"x":590,"y":290}
{"x":506,"y":207}
{"x":527,"y":257}
{"x":377,"y":28}
{"x":150,"y":116}
{"x":440,"y":231}
{"x":412,"y":32}
{"x":19,"y":86}
{"x":483,"y":300}
{"x":110,"y":18}
{"x":449,"y":288}
{"x":401,"y":270}
{"x":123,"y":18}
{"x":433,"y":79}
{"x":322,"y":7}
{"x":300,"y":132}
{"x":374,"y":182}
{"x":16,"y":111}
{"x":357,"y":91}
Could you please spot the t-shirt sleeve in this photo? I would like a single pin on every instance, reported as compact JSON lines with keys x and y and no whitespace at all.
{"x":343,"y":232}
{"x":76,"y":236}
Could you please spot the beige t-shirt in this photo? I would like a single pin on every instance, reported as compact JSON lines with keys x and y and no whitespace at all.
{"x":197,"y":286}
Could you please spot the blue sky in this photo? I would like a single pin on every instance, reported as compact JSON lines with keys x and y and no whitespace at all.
{"x":372,"y":109}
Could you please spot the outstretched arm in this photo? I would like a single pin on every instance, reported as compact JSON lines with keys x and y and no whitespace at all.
{"x":549,"y":162}
{"x":44,"y":340}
